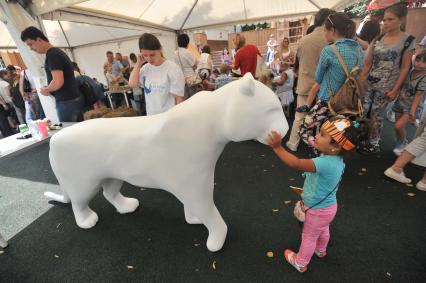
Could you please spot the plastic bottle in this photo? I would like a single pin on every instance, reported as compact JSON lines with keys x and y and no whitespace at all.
{"x":31,"y":124}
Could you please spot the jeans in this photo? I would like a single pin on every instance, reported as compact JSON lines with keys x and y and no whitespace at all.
{"x":298,"y":120}
{"x":316,"y":233}
{"x":70,"y":110}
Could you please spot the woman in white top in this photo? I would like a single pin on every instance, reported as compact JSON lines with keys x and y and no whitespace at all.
{"x":162,"y":79}
{"x":184,"y":58}
{"x":205,"y":64}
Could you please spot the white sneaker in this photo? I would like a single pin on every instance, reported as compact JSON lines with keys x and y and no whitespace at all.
{"x":421,"y":186}
{"x":291,"y":147}
{"x":400,"y":148}
{"x":400,"y":177}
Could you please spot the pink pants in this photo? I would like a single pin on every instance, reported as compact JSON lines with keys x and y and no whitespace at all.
{"x":315,"y":234}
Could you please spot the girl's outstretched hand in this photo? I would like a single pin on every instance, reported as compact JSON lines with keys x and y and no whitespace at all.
{"x":274,"y":139}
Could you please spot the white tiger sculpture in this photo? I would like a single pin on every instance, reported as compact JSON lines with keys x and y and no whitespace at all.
{"x":175,"y":151}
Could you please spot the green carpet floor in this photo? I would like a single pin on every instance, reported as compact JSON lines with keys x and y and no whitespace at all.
{"x":378,"y":235}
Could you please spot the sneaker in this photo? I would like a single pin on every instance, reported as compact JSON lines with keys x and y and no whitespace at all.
{"x":400,"y":177}
{"x":291,"y":147}
{"x":320,"y":254}
{"x":421,"y":186}
{"x":400,"y":148}
{"x":290,"y":257}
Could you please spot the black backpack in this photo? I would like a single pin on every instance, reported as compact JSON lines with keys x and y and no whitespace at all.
{"x":16,"y":96}
{"x":87,"y":92}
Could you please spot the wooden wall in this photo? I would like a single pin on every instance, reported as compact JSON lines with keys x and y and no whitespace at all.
{"x":12,"y":58}
{"x":416,"y":23}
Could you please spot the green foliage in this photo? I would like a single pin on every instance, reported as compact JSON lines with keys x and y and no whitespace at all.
{"x":358,"y":9}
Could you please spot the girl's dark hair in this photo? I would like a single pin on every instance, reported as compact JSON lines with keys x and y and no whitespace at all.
{"x":183,"y":40}
{"x":370,"y":30}
{"x":310,"y":29}
{"x":342,"y":24}
{"x":358,"y":132}
{"x":398,"y":9}
{"x":132,"y":56}
{"x":149,"y":41}
{"x":206,"y":49}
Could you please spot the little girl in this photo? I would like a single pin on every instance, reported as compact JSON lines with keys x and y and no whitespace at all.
{"x":322,"y":178}
{"x":406,"y":104}
{"x":284,"y":86}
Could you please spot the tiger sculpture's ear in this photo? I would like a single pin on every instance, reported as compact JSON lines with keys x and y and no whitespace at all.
{"x":247,"y":84}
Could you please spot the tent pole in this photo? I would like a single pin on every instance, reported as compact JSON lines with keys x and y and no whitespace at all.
{"x":18,"y":19}
{"x":189,"y":14}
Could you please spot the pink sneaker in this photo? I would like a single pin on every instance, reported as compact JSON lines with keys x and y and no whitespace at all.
{"x":320,"y":254}
{"x":290,"y":257}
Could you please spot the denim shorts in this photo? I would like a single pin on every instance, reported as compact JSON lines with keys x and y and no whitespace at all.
{"x":403,"y":104}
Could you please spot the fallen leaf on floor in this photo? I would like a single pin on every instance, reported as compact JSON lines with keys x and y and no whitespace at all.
{"x":409,"y":185}
{"x":56,"y":256}
{"x":196,"y":245}
{"x":196,"y":270}
{"x":1,"y":252}
{"x":57,"y":226}
{"x":275,"y":210}
{"x":388,"y":274}
{"x":270,"y":254}
{"x":411,"y":194}
{"x":272,"y":165}
{"x":369,"y":187}
{"x":291,"y":179}
{"x":265,"y":170}
{"x":130,"y":267}
{"x":287,"y":201}
{"x":214,"y":265}
{"x":360,"y":173}
{"x":262,"y":155}
{"x":364,"y":169}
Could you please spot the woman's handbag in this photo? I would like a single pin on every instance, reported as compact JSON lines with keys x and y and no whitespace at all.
{"x":193,"y":84}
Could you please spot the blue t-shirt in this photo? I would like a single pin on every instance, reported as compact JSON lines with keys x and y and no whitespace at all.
{"x":329,"y":169}
{"x":330,"y":74}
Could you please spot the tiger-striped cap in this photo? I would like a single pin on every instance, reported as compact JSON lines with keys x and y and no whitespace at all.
{"x":336,"y":129}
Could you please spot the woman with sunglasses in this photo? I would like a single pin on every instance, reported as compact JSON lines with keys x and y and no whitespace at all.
{"x":386,"y":66}
{"x":330,"y":76}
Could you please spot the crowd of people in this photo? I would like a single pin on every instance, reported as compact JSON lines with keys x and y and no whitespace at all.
{"x":17,"y":94}
{"x":380,"y":57}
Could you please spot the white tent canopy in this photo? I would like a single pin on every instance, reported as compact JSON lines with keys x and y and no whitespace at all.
{"x":189,"y":14}
{"x":100,"y":25}
{"x":75,"y":23}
